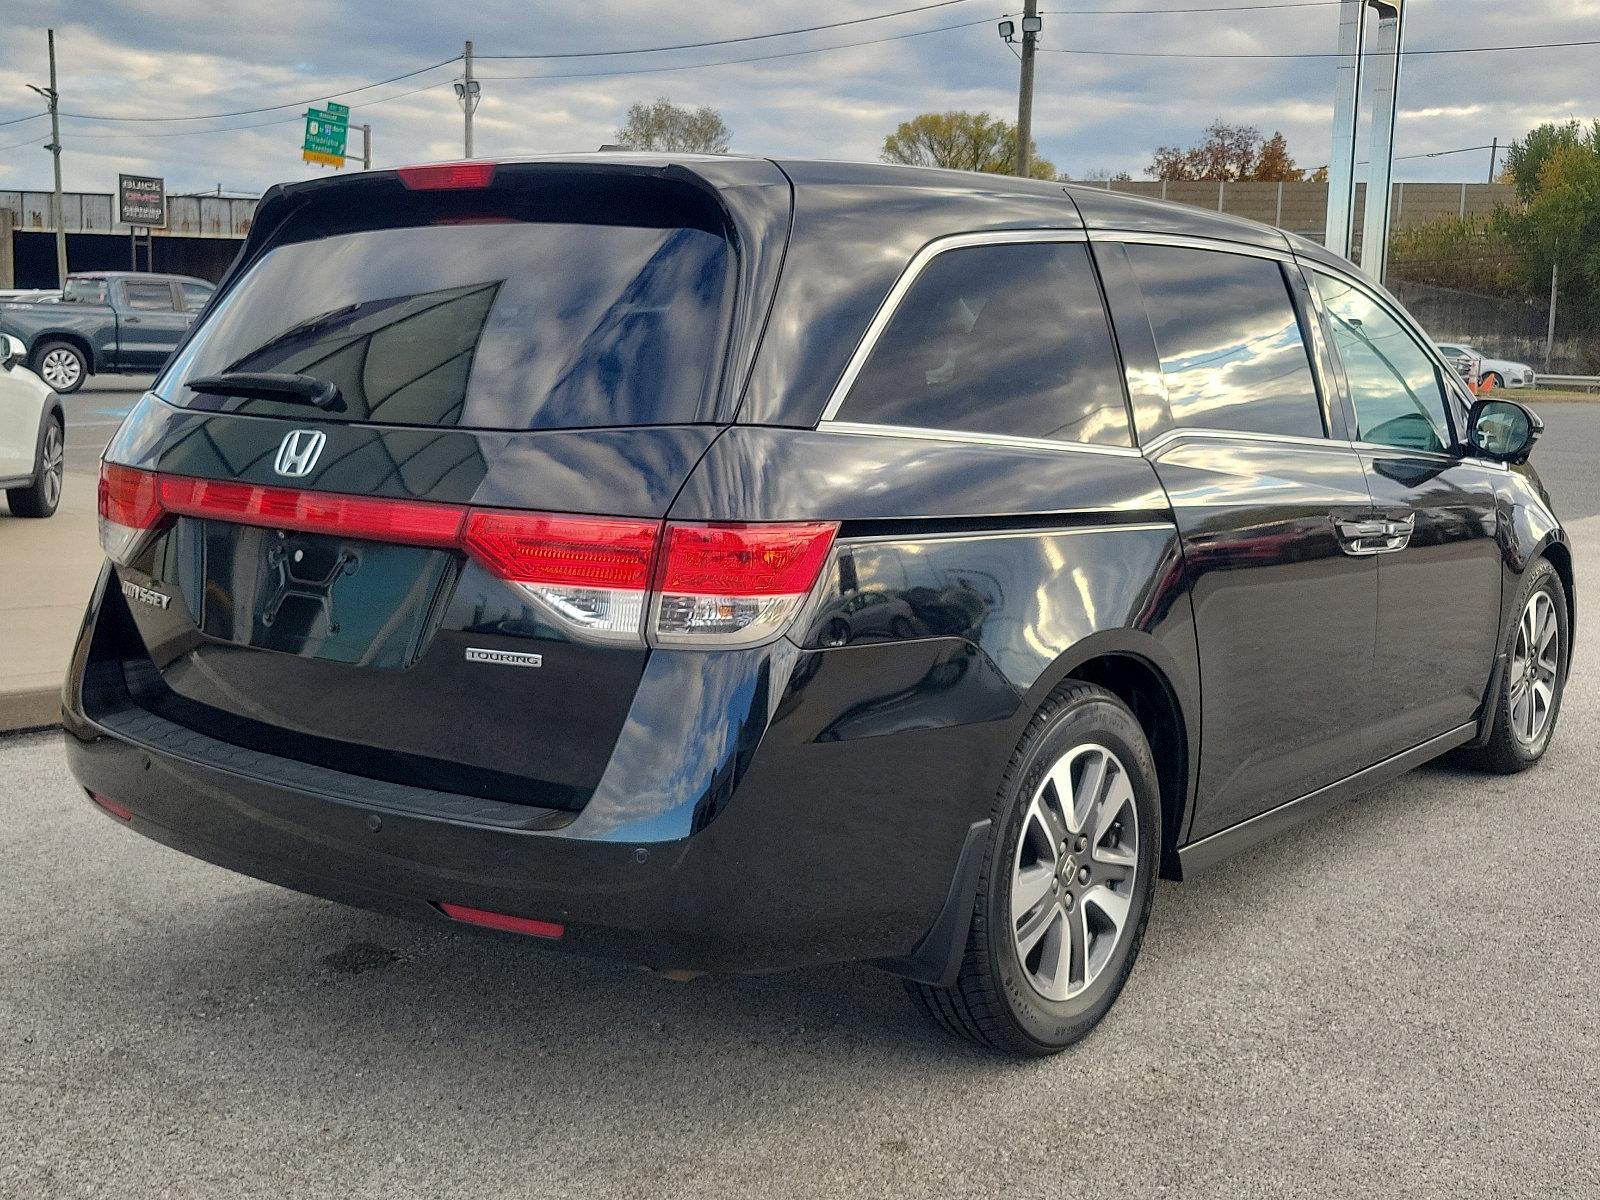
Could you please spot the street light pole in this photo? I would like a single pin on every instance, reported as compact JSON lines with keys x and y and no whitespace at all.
{"x":467,"y":90}
{"x":1030,"y":36}
{"x":58,"y":214}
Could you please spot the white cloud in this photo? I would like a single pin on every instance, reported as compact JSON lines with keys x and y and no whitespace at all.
{"x":173,"y":57}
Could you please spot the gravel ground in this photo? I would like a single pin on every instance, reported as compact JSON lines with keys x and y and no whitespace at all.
{"x":1400,"y":999}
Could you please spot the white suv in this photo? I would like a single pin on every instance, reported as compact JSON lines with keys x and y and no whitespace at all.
{"x":32,"y":436}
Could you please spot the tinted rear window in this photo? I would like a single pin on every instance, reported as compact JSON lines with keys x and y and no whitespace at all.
{"x":480,"y":320}
{"x":1230,"y":343}
{"x":1006,"y":339}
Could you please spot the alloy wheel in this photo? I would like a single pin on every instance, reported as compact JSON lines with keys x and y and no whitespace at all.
{"x":61,"y":369}
{"x":1535,"y":666}
{"x":1073,"y":875}
{"x":53,"y":466}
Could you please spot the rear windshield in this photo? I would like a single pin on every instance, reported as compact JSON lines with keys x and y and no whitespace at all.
{"x":479,"y":319}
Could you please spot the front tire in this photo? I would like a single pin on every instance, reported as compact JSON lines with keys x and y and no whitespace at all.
{"x":1494,"y":381}
{"x":1067,"y":884}
{"x":62,"y":365}
{"x":42,"y":497}
{"x":1528,"y":698}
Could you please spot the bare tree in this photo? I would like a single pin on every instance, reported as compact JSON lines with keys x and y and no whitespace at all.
{"x":1228,"y":152}
{"x":663,"y":125}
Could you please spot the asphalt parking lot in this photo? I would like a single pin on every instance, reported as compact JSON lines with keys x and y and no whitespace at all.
{"x":1400,"y":999}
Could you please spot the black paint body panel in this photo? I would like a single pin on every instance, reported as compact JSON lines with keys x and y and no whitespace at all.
{"x":641,"y":797}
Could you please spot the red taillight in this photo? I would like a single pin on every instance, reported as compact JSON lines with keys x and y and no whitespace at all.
{"x":371,"y":518}
{"x":494,"y":920}
{"x":112,"y":807}
{"x":745,"y":560}
{"x":129,"y":497}
{"x":591,"y":574}
{"x":714,"y":584}
{"x":130,"y":508}
{"x":736,"y":585}
{"x":450,"y":176}
{"x":602,"y":552}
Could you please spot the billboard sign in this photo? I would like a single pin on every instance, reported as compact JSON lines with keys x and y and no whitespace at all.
{"x":326,"y":131}
{"x":142,"y":201}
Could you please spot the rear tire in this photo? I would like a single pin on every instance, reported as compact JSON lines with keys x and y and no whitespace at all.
{"x":1067,"y":882}
{"x":42,"y":497}
{"x":62,"y":365}
{"x":1528,"y":698}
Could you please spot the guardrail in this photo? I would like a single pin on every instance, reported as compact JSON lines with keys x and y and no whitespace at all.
{"x":1572,"y":381}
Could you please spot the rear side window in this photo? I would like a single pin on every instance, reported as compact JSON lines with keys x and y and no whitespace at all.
{"x":1230,"y":343}
{"x":195,"y":295}
{"x":147,"y":295}
{"x":1004,"y":339}
{"x":479,"y":320}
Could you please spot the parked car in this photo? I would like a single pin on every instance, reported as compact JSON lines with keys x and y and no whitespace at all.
{"x":32,"y":436}
{"x":104,"y":322}
{"x":1496,"y":372}
{"x":481,"y":556}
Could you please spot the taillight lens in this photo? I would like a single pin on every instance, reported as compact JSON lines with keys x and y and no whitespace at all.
{"x":715,"y":585}
{"x":591,"y":573}
{"x":447,"y":176}
{"x":736,"y":585}
{"x":130,"y":508}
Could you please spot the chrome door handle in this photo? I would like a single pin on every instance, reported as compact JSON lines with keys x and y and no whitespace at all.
{"x":1366,"y":536}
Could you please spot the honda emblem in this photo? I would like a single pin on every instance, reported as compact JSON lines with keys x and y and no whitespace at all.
{"x":299,"y":451}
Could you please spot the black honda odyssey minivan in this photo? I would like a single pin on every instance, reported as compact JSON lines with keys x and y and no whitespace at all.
{"x":728,"y":565}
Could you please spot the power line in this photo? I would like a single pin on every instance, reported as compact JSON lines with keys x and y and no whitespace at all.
{"x":1129,"y":12}
{"x":727,"y":62}
{"x":1374,"y":54}
{"x":753,"y":37}
{"x":246,"y":112}
{"x":20,"y":120}
{"x":36,"y":140}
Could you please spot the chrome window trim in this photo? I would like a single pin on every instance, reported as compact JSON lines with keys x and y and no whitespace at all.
{"x":871,"y":429}
{"x":895,"y":539}
{"x":1186,"y":241}
{"x":1460,"y":460}
{"x":1154,"y":447}
{"x":919,"y":262}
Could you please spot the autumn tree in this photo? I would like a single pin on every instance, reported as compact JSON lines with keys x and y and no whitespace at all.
{"x":962,"y":141}
{"x":1526,"y":159}
{"x":1228,"y":152}
{"x":663,"y":125}
{"x":1561,"y":224}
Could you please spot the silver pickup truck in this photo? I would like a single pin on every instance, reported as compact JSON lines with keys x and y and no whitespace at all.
{"x":104,"y":322}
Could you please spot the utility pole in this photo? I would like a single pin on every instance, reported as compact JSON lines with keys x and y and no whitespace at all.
{"x":467,"y":91}
{"x":366,"y":147}
{"x":1555,"y":278}
{"x":1030,"y":36}
{"x":58,"y":213}
{"x":1494,"y":156}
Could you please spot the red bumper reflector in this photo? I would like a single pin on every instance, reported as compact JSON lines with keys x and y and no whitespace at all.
{"x":494,"y":920}
{"x":449,"y":176}
{"x":112,"y":807}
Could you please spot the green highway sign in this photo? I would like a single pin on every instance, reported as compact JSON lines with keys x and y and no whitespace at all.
{"x":326,"y":131}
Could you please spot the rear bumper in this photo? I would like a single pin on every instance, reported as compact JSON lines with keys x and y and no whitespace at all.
{"x":808,"y":835}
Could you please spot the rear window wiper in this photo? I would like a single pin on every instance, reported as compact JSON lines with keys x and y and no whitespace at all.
{"x":270,"y":385}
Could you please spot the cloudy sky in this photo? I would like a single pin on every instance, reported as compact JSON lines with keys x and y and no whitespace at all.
{"x":823,"y":97}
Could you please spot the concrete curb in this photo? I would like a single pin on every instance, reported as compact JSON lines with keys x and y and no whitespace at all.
{"x":30,"y":708}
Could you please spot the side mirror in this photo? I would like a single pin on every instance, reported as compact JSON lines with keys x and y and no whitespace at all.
{"x":1503,"y":430}
{"x":12,"y":351}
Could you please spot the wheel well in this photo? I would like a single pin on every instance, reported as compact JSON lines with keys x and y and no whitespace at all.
{"x":1144,"y":690}
{"x":1560,"y":557}
{"x":72,"y":339}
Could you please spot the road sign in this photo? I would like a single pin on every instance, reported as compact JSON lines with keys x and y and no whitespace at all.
{"x":326,"y":131}
{"x":142,"y":201}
